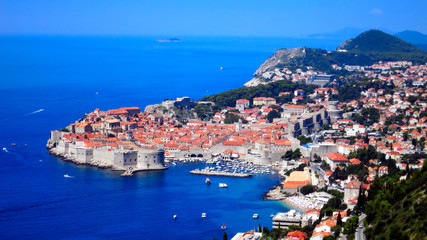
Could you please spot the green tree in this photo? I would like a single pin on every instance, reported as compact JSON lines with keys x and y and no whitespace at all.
{"x":231,"y":118}
{"x":307,"y":189}
{"x":203,"y":111}
{"x":272,"y":115}
{"x":339,"y":220}
{"x":224,"y":236}
{"x":296,"y":154}
{"x":351,"y":225}
{"x":304,"y":140}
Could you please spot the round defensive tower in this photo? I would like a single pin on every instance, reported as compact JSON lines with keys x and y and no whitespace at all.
{"x":333,"y":112}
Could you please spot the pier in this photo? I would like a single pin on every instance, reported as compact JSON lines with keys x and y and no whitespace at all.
{"x":219,"y":173}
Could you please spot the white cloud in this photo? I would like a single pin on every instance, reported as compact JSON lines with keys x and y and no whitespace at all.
{"x":376,"y":11}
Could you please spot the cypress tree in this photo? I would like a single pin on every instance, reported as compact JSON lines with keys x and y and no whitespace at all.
{"x":339,"y":220}
{"x":224,"y":237}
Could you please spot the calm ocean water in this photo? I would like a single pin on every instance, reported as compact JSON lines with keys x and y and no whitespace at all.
{"x":49,"y":82}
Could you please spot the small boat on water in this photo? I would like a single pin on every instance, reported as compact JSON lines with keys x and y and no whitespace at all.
{"x":255,"y":216}
{"x":127,"y":173}
{"x":208,"y":181}
{"x":5,"y":149}
{"x":172,"y":39}
{"x":203,"y":215}
{"x":175,"y":217}
{"x":67,"y":176}
{"x":271,"y":215}
{"x":223,"y":185}
{"x":223,"y":226}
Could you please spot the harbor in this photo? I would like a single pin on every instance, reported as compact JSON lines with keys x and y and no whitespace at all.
{"x":220,"y":173}
{"x":232,"y":168}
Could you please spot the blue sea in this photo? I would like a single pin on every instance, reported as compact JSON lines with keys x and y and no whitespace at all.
{"x":48,"y":82}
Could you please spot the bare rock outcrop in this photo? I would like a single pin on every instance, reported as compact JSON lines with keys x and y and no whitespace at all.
{"x":283,"y":55}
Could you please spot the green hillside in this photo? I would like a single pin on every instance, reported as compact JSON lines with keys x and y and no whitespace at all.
{"x":397,"y":210}
{"x":378,"y":41}
{"x":228,"y":98}
{"x":367,"y":48}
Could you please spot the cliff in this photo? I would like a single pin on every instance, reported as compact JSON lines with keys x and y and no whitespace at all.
{"x":281,"y":56}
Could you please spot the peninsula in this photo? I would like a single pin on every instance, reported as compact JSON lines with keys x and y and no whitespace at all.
{"x":337,"y":132}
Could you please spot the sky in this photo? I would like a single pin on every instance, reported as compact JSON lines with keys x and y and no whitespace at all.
{"x":208,"y":17}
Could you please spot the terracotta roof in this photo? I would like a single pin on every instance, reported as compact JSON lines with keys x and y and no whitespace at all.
{"x":353,"y":184}
{"x":336,"y":157}
{"x":296,"y":235}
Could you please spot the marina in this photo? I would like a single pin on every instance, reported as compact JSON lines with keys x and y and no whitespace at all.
{"x":232,"y":168}
{"x":219,"y":173}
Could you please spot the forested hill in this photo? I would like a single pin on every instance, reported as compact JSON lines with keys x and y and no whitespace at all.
{"x":378,"y":41}
{"x":367,"y":48}
{"x":397,"y":210}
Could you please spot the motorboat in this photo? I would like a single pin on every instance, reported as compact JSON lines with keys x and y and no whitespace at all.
{"x":208,"y":181}
{"x":223,"y":185}
{"x":255,"y":216}
{"x":175,"y":217}
{"x":203,"y":215}
{"x":223,"y":226}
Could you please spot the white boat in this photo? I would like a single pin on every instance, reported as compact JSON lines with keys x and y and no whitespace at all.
{"x":5,"y":149}
{"x":255,"y":216}
{"x":67,"y":176}
{"x":223,"y":226}
{"x":175,"y":217}
{"x":223,"y":185}
{"x":203,"y":215}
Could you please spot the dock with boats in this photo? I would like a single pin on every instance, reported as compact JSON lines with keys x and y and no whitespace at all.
{"x":220,"y":173}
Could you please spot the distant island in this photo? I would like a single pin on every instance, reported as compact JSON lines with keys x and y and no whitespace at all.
{"x":172,"y":39}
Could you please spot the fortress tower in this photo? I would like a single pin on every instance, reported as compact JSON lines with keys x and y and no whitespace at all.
{"x":333,"y":111}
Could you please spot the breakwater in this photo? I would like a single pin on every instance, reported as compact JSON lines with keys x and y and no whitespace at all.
{"x":219,"y":173}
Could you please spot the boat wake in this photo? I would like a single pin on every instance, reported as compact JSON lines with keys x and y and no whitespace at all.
{"x":37,"y":111}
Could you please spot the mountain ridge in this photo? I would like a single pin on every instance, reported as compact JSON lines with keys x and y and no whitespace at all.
{"x":378,"y":41}
{"x":365,"y":49}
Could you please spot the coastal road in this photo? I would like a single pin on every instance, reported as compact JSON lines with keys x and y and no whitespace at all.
{"x":361,"y":228}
